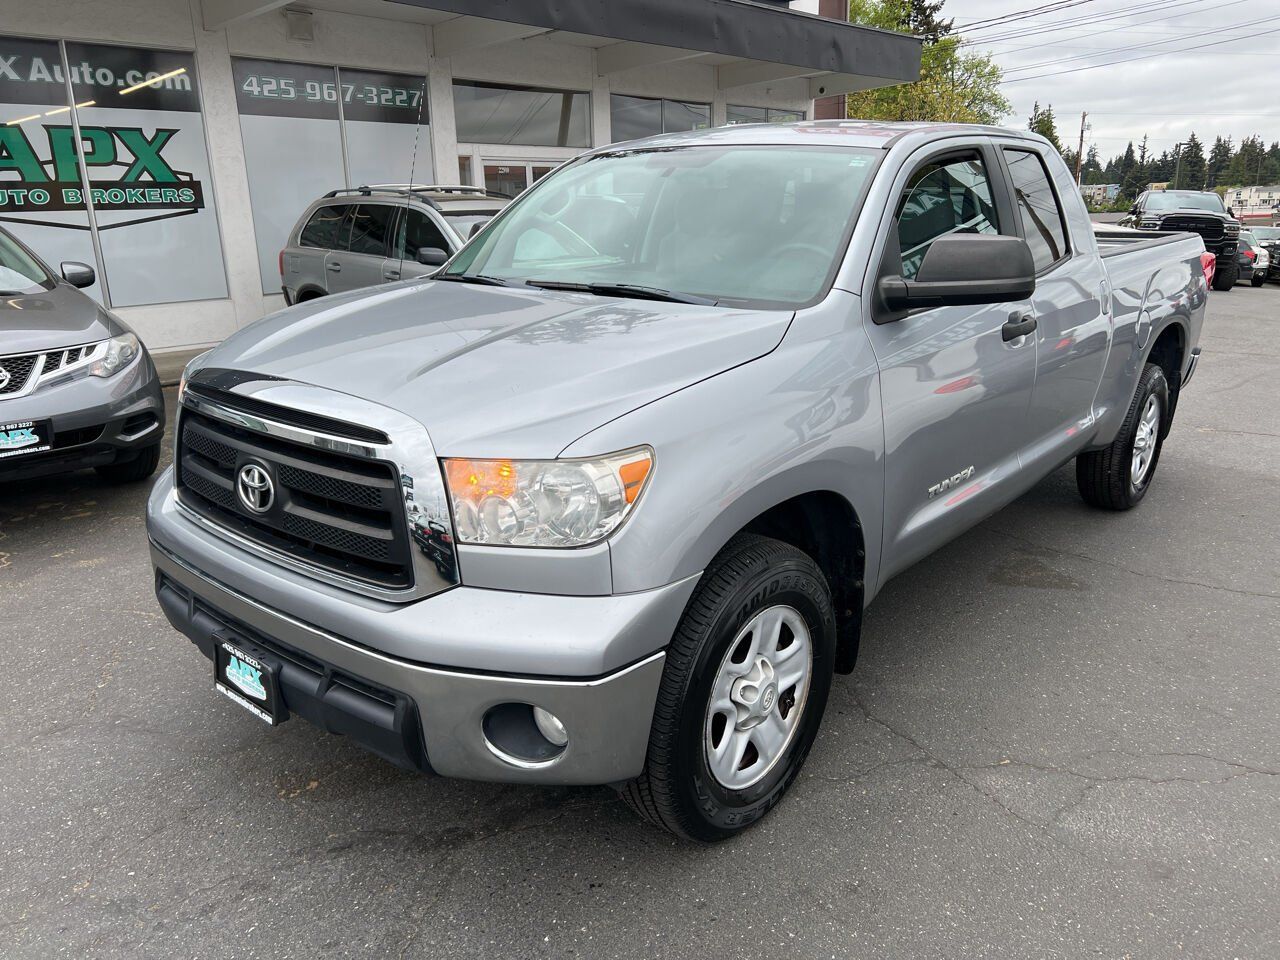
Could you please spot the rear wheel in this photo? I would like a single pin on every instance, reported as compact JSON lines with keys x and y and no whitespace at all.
{"x":131,"y":471}
{"x":1118,"y":477}
{"x":742,"y":694}
{"x":1225,"y":277}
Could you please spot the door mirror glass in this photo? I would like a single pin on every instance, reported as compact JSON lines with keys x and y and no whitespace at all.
{"x":431,"y":256}
{"x":77,"y":274}
{"x":965,"y":269}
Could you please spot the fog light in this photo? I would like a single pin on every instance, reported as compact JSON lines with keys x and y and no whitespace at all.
{"x":549,"y":726}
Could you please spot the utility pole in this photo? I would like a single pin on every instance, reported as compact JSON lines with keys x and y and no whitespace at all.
{"x":1080,"y":152}
{"x":1177,"y":170}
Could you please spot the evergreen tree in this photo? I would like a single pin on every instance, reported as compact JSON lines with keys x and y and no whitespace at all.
{"x":1091,"y":171}
{"x":924,"y":19}
{"x":1245,"y":166}
{"x":1219,"y":159}
{"x":1042,"y":122}
{"x":1131,"y":175}
{"x":1190,"y":165}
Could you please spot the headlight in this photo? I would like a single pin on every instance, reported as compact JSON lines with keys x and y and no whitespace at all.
{"x":545,"y":503}
{"x":121,"y":351}
{"x":1149,"y":225}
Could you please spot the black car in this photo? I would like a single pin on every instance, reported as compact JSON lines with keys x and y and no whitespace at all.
{"x":1192,"y":211}
{"x":1268,"y":238}
{"x":77,"y":387}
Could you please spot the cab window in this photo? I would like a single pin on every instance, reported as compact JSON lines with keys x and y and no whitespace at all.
{"x":949,"y":195}
{"x":1043,"y":225}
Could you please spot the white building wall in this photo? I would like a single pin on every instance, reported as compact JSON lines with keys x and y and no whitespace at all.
{"x":356,"y":42}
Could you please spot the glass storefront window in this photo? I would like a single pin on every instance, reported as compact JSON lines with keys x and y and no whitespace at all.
{"x":300,"y":142}
{"x":143,"y":148}
{"x":738,"y":115}
{"x":634,"y":117}
{"x":530,"y":116}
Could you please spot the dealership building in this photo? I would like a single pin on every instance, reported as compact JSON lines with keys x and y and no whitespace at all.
{"x":173,"y":143}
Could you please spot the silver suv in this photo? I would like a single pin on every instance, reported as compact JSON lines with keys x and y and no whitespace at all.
{"x":380,"y":233}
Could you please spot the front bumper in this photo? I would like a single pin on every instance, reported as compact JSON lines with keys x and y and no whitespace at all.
{"x":95,"y":422}
{"x":416,"y":716}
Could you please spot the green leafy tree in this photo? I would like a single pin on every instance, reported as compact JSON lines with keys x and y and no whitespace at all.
{"x":955,"y":85}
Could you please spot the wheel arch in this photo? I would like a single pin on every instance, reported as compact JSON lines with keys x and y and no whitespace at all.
{"x":1168,"y":351}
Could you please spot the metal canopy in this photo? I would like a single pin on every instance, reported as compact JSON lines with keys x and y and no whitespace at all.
{"x":766,"y":43}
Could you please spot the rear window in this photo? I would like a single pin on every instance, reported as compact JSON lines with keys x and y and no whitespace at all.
{"x":322,"y":229}
{"x":1043,"y":225}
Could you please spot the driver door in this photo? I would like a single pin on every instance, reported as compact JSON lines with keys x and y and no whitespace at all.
{"x":955,"y":392}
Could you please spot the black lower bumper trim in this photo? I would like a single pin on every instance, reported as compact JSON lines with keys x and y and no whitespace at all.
{"x":380,"y":720}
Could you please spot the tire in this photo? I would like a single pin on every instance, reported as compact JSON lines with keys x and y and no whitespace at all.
{"x":131,"y":471}
{"x":1108,"y":478}
{"x":1224,"y":279}
{"x":754,"y":582}
{"x":1257,"y":281}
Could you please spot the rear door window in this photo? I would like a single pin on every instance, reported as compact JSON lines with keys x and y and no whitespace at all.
{"x":1043,"y":224}
{"x":946,"y":196}
{"x":371,"y":229}
{"x":322,"y":229}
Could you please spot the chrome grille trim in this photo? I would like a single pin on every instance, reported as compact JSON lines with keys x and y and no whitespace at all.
{"x":420,"y":486}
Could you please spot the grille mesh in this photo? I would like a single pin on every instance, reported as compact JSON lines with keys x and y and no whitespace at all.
{"x":330,"y":488}
{"x":18,"y":370}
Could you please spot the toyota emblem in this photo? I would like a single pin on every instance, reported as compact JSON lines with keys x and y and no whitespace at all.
{"x":255,"y":489}
{"x":4,"y":378}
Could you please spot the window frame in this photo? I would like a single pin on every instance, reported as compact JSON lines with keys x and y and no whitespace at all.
{"x":1069,"y":247}
{"x":344,"y":205}
{"x":388,"y":240}
{"x":401,"y":223}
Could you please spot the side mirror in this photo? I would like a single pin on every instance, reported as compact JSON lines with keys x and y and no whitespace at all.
{"x":963,"y":269}
{"x":78,"y":274}
{"x":1230,"y":212}
{"x":431,"y":256}
{"x":476,"y":228}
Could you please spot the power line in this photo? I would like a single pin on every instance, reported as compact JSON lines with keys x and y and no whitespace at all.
{"x":1149,"y":56}
{"x":1124,"y":26}
{"x":1141,"y":9}
{"x":1141,"y":46}
{"x":1022,"y":14}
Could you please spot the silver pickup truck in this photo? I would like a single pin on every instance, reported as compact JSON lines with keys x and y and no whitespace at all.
{"x":605,"y":505}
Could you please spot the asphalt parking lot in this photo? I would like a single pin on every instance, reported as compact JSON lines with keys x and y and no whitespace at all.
{"x":1062,"y":740}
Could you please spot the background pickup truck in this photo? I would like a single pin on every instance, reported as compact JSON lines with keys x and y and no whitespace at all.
{"x":606,"y":506}
{"x":1192,"y":211}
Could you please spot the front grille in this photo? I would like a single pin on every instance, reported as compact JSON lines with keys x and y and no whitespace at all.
{"x":17,"y":370}
{"x":339,"y":513}
{"x":1208,"y":227}
{"x":63,"y":358}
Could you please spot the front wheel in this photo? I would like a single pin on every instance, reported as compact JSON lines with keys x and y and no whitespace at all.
{"x":742,"y":694}
{"x":1117,"y":477}
{"x":1226,"y":277}
{"x":1257,"y":281}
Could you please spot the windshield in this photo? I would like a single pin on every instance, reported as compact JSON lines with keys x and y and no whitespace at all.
{"x":19,"y":271}
{"x":463,"y":223}
{"x":758,"y":225}
{"x":1160,"y":202}
{"x":1267,"y":234}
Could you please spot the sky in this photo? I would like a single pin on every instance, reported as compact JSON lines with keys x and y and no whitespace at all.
{"x":1226,"y":89}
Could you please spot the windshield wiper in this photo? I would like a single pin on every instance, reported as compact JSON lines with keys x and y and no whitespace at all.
{"x":622,"y":290}
{"x":479,"y":278}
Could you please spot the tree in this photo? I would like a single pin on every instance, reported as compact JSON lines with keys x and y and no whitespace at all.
{"x":1042,"y":122}
{"x":1091,"y":171}
{"x":1132,"y":174}
{"x":1219,"y":160}
{"x":1247,"y":164}
{"x":924,"y":19}
{"x":955,"y":85}
{"x":1189,"y":167}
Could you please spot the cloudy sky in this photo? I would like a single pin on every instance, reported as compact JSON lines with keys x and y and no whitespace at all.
{"x":1228,"y":88}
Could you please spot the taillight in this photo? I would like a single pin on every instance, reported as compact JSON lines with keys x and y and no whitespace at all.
{"x":1208,"y":263}
{"x":1250,"y":255}
{"x":281,"y":264}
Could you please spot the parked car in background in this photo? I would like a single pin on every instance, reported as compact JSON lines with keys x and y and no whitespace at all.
{"x":1267,"y":240}
{"x":610,"y":511}
{"x":1191,"y":211}
{"x":77,"y":388}
{"x":380,"y":233}
{"x":1246,"y":257}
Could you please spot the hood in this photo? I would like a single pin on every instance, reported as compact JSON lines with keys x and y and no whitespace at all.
{"x":497,"y":371}
{"x":48,"y":320}
{"x":1191,"y":212}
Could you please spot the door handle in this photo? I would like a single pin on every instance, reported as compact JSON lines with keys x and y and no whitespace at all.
{"x":1018,"y":325}
{"x":335,"y":267}
{"x":390,"y":274}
